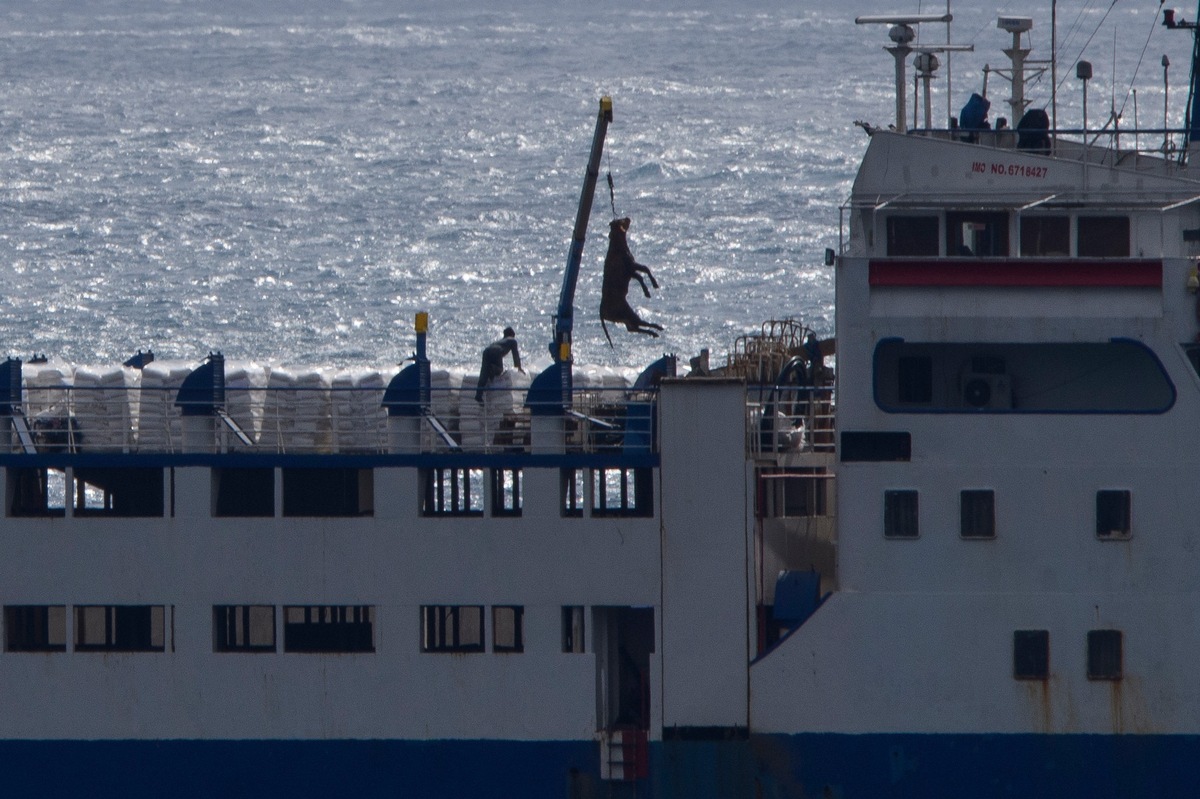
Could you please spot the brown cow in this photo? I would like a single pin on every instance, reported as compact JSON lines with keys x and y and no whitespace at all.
{"x":619,"y":269}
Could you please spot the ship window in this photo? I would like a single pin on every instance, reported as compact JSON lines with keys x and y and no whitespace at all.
{"x":976,"y":233}
{"x":978,"y":513}
{"x":506,"y":492}
{"x":620,"y":491}
{"x":243,"y":628}
{"x":119,"y":491}
{"x":328,"y":628}
{"x":508,"y":632}
{"x":119,"y":628}
{"x":900,"y":514}
{"x":1102,"y":237}
{"x":35,"y":628}
{"x":1115,"y":376}
{"x":243,"y":492}
{"x":451,"y":628}
{"x":572,"y":629}
{"x":1114,"y":511}
{"x":36,"y":492}
{"x":572,"y":492}
{"x":912,"y":235}
{"x":1104,"y":657}
{"x":328,"y":492}
{"x":875,"y":446}
{"x":1046,"y":236}
{"x":452,"y":492}
{"x":1031,"y":654}
{"x":795,"y":493}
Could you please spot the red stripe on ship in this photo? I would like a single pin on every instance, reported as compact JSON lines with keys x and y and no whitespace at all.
{"x":1031,"y":273}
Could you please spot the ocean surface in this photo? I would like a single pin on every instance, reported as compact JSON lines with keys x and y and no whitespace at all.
{"x":290,"y":182}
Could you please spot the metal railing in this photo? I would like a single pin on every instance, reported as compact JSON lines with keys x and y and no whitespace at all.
{"x":785,"y":419}
{"x":317,"y":420}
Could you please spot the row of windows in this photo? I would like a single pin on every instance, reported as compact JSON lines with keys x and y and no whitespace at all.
{"x":251,"y":628}
{"x":986,"y":233}
{"x":1031,"y":655}
{"x":318,"y":492}
{"x":977,"y":513}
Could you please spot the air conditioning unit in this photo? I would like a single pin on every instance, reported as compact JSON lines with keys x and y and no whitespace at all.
{"x":986,"y":391}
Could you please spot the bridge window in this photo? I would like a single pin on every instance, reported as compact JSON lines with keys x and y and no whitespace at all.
{"x":912,"y":235}
{"x":900,"y":518}
{"x":35,"y":628}
{"x":119,"y":628}
{"x":1114,"y":513}
{"x":243,"y":628}
{"x":328,"y":628}
{"x":1104,"y":656}
{"x":1048,"y":236}
{"x":451,"y":628}
{"x":1031,"y":654}
{"x":978,"y":513}
{"x":1117,"y":376}
{"x":976,"y":233}
{"x":1102,"y":237}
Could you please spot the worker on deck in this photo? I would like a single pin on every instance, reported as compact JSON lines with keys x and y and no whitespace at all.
{"x":493,"y":360}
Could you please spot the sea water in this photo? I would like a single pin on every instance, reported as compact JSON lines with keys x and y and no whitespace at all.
{"x":290,"y":182}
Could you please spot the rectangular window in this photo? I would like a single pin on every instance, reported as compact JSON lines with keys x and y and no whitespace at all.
{"x":978,"y":513}
{"x":243,"y":628}
{"x":119,"y":628}
{"x":1031,"y":654}
{"x":793,"y":493}
{"x":572,"y":629}
{"x":34,"y":491}
{"x":328,"y":628}
{"x":622,"y":492}
{"x":875,"y":447}
{"x":977,"y":233}
{"x":912,"y":235}
{"x":451,"y":628}
{"x":124,"y":491}
{"x":572,"y":492}
{"x":506,"y":492}
{"x":328,"y":492}
{"x":508,"y":632}
{"x":1102,"y":236}
{"x":900,"y":514}
{"x":452,"y":492}
{"x":1113,"y":513}
{"x":1048,"y":236}
{"x":1104,"y":657}
{"x":35,"y":628}
{"x":243,"y":492}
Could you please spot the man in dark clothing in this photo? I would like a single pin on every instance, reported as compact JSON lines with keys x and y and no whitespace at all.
{"x":493,"y":360}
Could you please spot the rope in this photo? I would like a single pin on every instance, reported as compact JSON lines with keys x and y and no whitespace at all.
{"x":612,"y":197}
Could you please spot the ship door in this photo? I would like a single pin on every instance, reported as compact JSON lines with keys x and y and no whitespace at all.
{"x":624,"y":643}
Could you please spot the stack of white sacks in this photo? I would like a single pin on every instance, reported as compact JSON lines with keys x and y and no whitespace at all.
{"x":47,"y":401}
{"x":446,"y":400}
{"x":359,"y":420}
{"x":297,"y":412}
{"x":245,"y":396}
{"x":159,"y":423}
{"x":106,"y":404}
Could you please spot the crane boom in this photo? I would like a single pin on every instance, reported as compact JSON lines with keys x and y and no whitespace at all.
{"x":564,"y":319}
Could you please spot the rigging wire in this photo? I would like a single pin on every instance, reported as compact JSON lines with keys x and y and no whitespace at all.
{"x":1083,"y":49}
{"x":1141,"y":55}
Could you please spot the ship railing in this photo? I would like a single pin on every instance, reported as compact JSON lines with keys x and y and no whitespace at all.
{"x":1147,"y":148}
{"x":325,"y":420}
{"x":784,"y":419}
